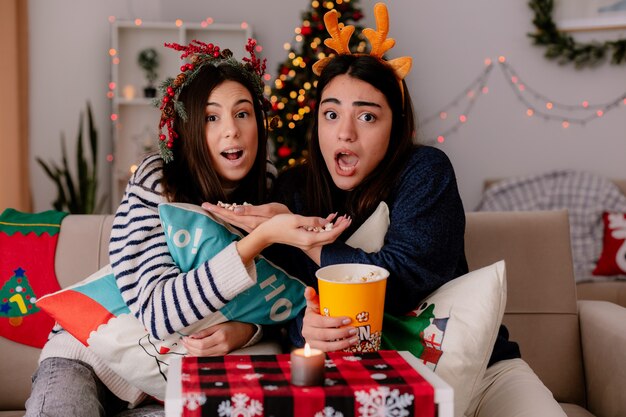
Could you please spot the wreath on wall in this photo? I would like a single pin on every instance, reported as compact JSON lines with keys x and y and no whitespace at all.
{"x":564,"y":48}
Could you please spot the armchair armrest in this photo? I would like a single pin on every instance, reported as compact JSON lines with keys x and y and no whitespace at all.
{"x":603,"y":338}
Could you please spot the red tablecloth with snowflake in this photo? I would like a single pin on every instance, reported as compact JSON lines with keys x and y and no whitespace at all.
{"x":370,"y":384}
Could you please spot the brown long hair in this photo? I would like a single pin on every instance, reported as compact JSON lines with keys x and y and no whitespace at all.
{"x":190,"y":177}
{"x":323,"y":197}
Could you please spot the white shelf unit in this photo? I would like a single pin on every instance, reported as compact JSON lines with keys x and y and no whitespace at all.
{"x":134,"y":130}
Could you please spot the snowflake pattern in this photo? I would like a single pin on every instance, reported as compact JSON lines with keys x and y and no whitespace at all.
{"x":381,"y":366}
{"x":328,"y":363}
{"x":329,"y":412}
{"x":329,"y":382}
{"x":270,"y":387}
{"x":382,"y":401}
{"x":193,"y":401}
{"x":352,"y":358}
{"x":185,"y":377}
{"x":241,"y":406}
{"x":252,"y":377}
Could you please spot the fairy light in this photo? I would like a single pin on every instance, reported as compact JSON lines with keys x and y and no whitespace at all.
{"x":535,"y":103}
{"x":109,"y":157}
{"x":178,"y":23}
{"x":138,"y":22}
{"x":209,"y":20}
{"x":113,"y":117}
{"x":112,"y":52}
{"x":579,"y":114}
{"x":467,"y":95}
{"x":112,"y":85}
{"x":286,"y":46}
{"x":244,"y":25}
{"x":111,"y":19}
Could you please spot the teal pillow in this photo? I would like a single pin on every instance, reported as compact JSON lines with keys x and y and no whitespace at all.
{"x":194,"y":236}
{"x":94,"y":312}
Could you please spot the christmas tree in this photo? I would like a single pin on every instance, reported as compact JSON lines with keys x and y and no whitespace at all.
{"x":293,"y":96}
{"x":17,"y":298}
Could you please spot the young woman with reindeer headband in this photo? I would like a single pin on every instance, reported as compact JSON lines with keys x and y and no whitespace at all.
{"x":213,"y":148}
{"x":361,"y":153}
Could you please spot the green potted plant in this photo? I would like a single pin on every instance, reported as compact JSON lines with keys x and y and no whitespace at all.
{"x":77,"y":195}
{"x":148,"y":60}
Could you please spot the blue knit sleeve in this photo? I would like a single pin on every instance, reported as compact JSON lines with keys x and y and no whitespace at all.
{"x":424,"y":245}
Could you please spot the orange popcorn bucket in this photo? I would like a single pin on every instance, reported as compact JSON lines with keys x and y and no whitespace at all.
{"x":356,"y":291}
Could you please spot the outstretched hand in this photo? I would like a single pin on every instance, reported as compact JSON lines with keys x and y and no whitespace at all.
{"x":325,"y":333}
{"x":246,"y":217}
{"x":304,"y":232}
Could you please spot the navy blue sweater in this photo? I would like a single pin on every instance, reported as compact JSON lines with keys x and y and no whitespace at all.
{"x":424,"y":245}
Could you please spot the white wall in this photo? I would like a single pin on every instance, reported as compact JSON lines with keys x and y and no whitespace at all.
{"x":448,"y":39}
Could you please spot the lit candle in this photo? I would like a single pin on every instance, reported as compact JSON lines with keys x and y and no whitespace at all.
{"x":129,"y":92}
{"x":307,"y":366}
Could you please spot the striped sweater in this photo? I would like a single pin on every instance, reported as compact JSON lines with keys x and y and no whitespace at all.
{"x":156,"y":291}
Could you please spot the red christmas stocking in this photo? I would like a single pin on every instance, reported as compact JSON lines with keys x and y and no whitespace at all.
{"x":27,"y":246}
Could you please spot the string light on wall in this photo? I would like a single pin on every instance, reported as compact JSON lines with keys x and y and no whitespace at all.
{"x":470,"y":94}
{"x":545,"y":107}
{"x":535,"y":104}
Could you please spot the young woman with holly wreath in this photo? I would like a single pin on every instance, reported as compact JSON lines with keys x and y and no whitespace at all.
{"x":214,"y":149}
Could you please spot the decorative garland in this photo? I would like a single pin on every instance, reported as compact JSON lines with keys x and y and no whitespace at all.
{"x":564,"y":47}
{"x":456,"y":113}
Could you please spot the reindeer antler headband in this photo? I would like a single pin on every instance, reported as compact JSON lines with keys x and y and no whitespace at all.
{"x":200,"y":54}
{"x":340,"y":39}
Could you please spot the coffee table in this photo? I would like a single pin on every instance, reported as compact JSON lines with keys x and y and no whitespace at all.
{"x":444,"y":395}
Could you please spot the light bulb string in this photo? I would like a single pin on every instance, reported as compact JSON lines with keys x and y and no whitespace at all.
{"x":522,"y":91}
{"x":476,"y":85}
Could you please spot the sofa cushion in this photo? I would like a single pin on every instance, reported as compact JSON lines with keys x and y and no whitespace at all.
{"x":613,"y":257}
{"x":94,"y":312}
{"x":453,"y":330}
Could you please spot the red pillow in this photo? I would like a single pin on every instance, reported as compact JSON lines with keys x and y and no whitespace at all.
{"x":613,"y":258}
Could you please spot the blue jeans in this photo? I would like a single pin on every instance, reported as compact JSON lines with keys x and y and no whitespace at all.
{"x":69,"y":388}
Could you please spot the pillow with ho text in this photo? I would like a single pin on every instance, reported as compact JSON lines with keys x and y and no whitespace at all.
{"x":94,"y":312}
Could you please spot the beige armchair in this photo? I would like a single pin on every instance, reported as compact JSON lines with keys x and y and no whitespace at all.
{"x":577,"y":348}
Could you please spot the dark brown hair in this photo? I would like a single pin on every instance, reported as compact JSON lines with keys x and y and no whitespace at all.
{"x":190,"y":177}
{"x":323,"y":196}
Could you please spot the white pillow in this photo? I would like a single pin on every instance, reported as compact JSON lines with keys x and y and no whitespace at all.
{"x":453,"y":330}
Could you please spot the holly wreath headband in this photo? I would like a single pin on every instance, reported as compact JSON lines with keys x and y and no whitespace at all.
{"x":200,"y":54}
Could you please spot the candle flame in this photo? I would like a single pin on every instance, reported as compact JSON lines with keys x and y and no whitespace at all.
{"x":307,"y":350}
